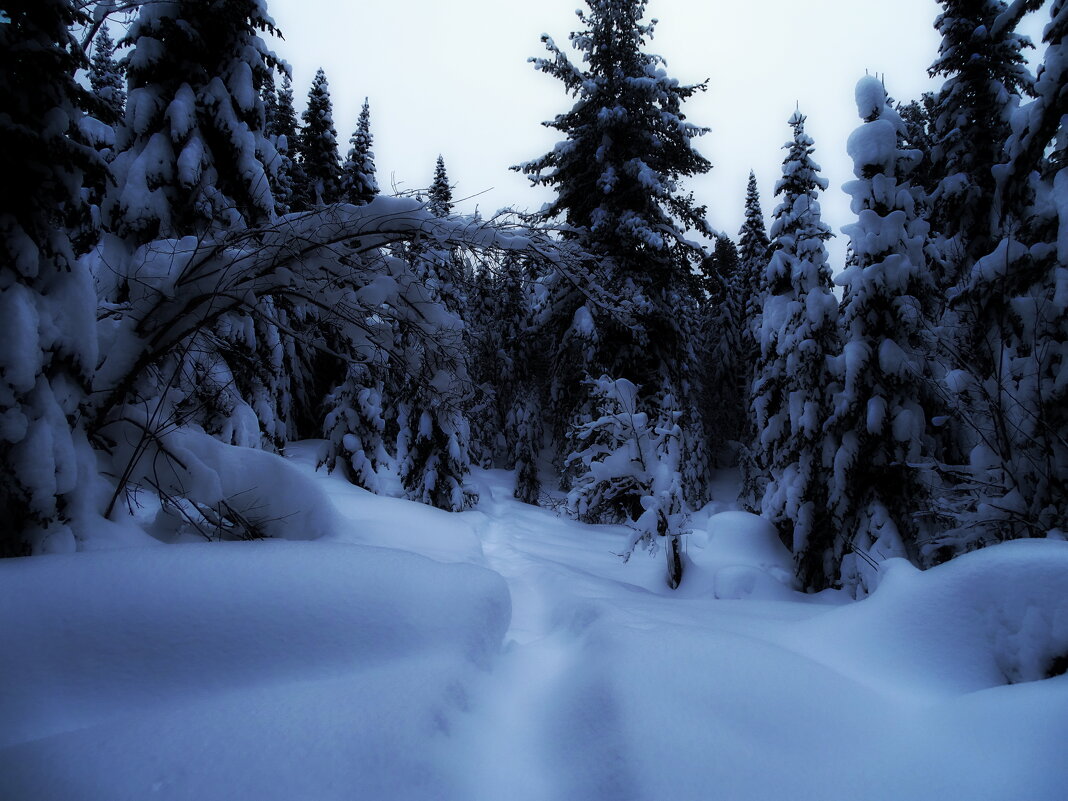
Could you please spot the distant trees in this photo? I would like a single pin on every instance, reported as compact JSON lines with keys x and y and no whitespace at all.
{"x":358,"y":182}
{"x":318,"y":145}
{"x":106,"y":77}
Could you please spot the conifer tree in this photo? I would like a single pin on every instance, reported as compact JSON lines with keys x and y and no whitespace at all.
{"x":1014,"y":395}
{"x":290,"y":182}
{"x":280,"y":171}
{"x":318,"y":145}
{"x":617,"y":182}
{"x":753,"y":254}
{"x":358,"y":182}
{"x":505,"y":367}
{"x":269,"y":98}
{"x":880,"y":413}
{"x":982,"y":60}
{"x":439,"y":196}
{"x":48,"y":345}
{"x":798,"y":337}
{"x":191,"y":157}
{"x":724,"y":405}
{"x":433,"y":433}
{"x":754,"y":249}
{"x":916,"y":115}
{"x":434,"y":391}
{"x":106,"y":77}
{"x":355,"y":427}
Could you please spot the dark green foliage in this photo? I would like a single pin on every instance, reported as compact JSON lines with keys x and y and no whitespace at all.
{"x":47,"y":309}
{"x":318,"y":145}
{"x":617,"y":181}
{"x":191,"y":158}
{"x":439,"y":196}
{"x":358,"y":183}
{"x":106,"y":77}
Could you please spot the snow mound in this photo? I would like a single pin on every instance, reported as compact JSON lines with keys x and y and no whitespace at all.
{"x":993,"y":617}
{"x":739,"y":556}
{"x":130,"y":671}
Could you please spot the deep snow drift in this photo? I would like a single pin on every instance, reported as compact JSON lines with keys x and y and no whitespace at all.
{"x":508,"y":653}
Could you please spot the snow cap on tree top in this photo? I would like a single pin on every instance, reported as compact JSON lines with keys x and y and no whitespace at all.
{"x":871,"y":97}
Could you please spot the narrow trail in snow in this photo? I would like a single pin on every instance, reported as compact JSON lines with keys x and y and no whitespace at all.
{"x":511,"y":736}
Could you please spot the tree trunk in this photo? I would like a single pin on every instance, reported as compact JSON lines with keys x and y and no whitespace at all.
{"x":674,"y":558}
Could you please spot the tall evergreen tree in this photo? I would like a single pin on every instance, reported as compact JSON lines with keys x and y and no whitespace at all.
{"x":290,"y":182}
{"x":358,"y":182}
{"x":724,"y":403}
{"x":48,"y":347}
{"x":753,"y":254}
{"x":192,"y":153}
{"x":981,"y":57}
{"x":318,"y":145}
{"x":280,"y":171}
{"x":880,"y":413}
{"x":754,"y":250}
{"x":798,"y":337}
{"x":106,"y":77}
{"x":1014,"y":396}
{"x":439,"y":196}
{"x":617,"y":181}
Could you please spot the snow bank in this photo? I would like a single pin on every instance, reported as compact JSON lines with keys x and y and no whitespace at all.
{"x":989,"y":618}
{"x":886,"y":699}
{"x":238,"y":670}
{"x":739,"y":556}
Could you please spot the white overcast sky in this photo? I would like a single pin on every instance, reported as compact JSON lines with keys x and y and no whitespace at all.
{"x":452,"y":77}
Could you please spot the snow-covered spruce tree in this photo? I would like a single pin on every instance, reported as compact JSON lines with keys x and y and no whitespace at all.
{"x":355,"y":427}
{"x":195,"y":161}
{"x":981,"y":57}
{"x":798,"y":337}
{"x":434,"y":390}
{"x":444,"y":270}
{"x":632,"y":470}
{"x":280,"y":172}
{"x":753,"y":253}
{"x":439,"y":196}
{"x":1016,"y":483}
{"x":106,"y":77}
{"x":358,"y":182}
{"x":48,"y":346}
{"x":318,"y":145}
{"x":192,"y":153}
{"x":290,"y":184}
{"x":617,"y":181}
{"x":880,"y":413}
{"x":430,"y":397}
{"x":754,"y":249}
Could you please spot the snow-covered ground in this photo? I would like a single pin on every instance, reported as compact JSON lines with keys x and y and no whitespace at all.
{"x":508,"y":654}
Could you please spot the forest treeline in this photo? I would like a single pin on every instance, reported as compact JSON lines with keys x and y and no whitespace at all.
{"x":183,"y":254}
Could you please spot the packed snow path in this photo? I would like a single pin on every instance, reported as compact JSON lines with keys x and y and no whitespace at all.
{"x":508,"y":654}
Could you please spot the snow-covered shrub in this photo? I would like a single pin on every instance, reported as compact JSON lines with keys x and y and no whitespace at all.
{"x":629,"y":470}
